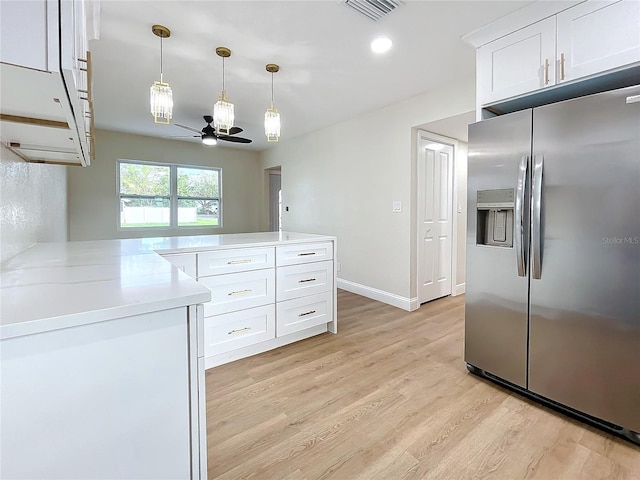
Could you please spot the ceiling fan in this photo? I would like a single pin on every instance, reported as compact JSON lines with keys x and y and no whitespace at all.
{"x":210,"y":136}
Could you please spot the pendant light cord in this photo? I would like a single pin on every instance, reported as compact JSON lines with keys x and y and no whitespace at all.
{"x":223,"y":92}
{"x":160,"y":59}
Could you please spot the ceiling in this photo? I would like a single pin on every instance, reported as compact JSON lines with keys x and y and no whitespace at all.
{"x":327,"y":71}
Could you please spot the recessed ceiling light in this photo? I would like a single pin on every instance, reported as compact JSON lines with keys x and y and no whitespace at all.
{"x":381,"y":44}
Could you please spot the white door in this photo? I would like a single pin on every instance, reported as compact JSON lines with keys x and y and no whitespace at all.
{"x":435,"y":218}
{"x":275,"y":201}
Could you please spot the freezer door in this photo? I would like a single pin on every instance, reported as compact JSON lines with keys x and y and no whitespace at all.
{"x":585,"y":298}
{"x":497,"y":246}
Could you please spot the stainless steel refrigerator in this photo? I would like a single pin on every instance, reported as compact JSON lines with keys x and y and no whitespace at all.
{"x":553,"y":255}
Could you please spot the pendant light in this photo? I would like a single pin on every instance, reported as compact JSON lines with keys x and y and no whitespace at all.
{"x":271,"y":116}
{"x":161,"y":99}
{"x":223,"y":115}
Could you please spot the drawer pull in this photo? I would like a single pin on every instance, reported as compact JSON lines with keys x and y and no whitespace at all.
{"x":239,"y":330}
{"x":236,"y":262}
{"x":240,"y":292}
{"x":306,"y":313}
{"x":306,"y":253}
{"x":307,"y":280}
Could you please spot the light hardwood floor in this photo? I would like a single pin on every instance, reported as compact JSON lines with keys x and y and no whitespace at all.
{"x":389,"y":398}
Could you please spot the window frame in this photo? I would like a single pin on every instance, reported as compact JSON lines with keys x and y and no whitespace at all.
{"x":172,"y":197}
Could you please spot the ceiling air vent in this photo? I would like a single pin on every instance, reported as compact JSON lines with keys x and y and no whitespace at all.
{"x":374,"y":9}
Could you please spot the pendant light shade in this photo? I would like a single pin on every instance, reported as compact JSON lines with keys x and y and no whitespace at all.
{"x":271,"y":116}
{"x":161,"y":96}
{"x":223,"y":110}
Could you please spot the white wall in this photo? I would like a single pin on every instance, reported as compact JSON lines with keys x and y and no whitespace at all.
{"x":33,"y":204}
{"x":342,"y":181}
{"x":93,"y":205}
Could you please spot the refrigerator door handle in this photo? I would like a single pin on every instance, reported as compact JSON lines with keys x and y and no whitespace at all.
{"x":536,"y":230}
{"x":518,"y":223}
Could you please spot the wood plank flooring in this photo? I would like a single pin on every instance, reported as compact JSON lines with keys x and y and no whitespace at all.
{"x":389,"y":398}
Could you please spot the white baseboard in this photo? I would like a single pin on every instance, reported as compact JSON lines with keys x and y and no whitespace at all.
{"x":459,"y":290}
{"x":392,"y":299}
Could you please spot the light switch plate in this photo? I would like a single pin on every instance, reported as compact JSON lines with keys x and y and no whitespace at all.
{"x":397,"y":206}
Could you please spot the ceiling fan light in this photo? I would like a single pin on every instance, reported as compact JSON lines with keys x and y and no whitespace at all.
{"x":209,"y":140}
{"x":223,"y":115}
{"x":161,"y":102}
{"x":272,"y":124}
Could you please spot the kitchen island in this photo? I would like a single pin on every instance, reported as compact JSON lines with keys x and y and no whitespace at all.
{"x":104,"y":344}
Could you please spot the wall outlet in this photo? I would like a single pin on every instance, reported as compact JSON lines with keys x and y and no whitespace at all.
{"x":397,"y":206}
{"x":339,"y":266}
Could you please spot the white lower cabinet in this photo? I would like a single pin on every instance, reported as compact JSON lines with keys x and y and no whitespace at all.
{"x":300,"y":313}
{"x":239,"y":329}
{"x":111,"y":399}
{"x":263,"y":296}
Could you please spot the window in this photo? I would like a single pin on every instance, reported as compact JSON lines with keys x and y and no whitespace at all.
{"x":167,"y":195}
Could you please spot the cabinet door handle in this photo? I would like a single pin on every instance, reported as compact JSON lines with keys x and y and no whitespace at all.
{"x":240,"y":292}
{"x":307,"y":313}
{"x":236,"y":262}
{"x":562,"y":66}
{"x":306,"y":253}
{"x":239,"y":330}
{"x":307,"y":280}
{"x":546,"y":71}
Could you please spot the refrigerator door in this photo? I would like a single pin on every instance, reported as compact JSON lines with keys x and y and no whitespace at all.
{"x":584,"y":347}
{"x":497,"y":246}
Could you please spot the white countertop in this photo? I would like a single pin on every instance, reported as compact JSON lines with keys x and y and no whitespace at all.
{"x":58,"y":285}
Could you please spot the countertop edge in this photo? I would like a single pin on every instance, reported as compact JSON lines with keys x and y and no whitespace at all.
{"x":197,"y":295}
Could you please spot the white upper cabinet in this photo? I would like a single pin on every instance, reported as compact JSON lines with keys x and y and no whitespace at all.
{"x":538,"y":48}
{"x":517,"y":63}
{"x":46,"y":81}
{"x":597,"y":36}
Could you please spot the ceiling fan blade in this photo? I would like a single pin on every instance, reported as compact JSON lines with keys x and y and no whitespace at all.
{"x":232,"y":131}
{"x":188,"y":128}
{"x":234,"y":139}
{"x":182,"y":136}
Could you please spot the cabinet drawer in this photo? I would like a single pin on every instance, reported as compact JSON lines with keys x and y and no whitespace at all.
{"x":231,"y":261}
{"x":307,"y":279}
{"x":184,"y":261}
{"x":237,"y":291}
{"x":239,"y":329}
{"x":300,"y":313}
{"x":303,"y":253}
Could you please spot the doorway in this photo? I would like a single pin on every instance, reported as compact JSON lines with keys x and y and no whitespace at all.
{"x":275,"y":199}
{"x":436,"y":219}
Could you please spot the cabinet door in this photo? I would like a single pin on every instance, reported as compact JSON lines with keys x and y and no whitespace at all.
{"x":28,"y":30}
{"x":517,"y":63}
{"x":596,"y":36}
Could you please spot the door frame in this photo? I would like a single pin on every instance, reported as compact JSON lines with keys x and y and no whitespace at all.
{"x":423,"y":138}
